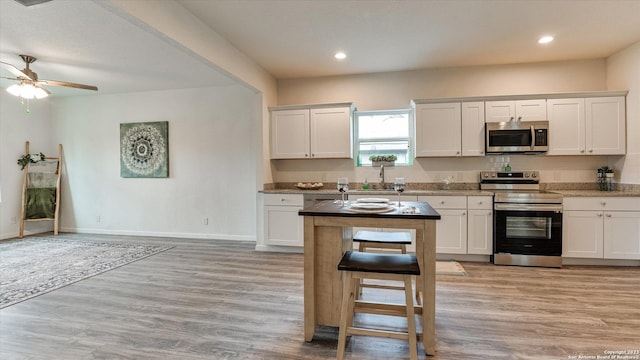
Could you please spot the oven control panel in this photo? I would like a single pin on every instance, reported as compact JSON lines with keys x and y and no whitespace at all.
{"x":512,"y":177}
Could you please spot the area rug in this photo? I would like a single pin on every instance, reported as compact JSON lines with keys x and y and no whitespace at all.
{"x":34,"y":266}
{"x":450,"y":268}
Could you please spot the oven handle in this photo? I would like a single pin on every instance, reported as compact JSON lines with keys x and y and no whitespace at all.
{"x":528,"y":207}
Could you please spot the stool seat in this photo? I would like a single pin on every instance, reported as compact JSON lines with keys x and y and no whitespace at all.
{"x":395,"y":237}
{"x":405,"y":264}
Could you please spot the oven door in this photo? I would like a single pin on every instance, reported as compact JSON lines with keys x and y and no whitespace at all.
{"x":528,"y":229}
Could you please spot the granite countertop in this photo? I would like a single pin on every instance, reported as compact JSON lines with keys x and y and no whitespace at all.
{"x":384,"y":192}
{"x":597,"y":193}
{"x":467,"y":192}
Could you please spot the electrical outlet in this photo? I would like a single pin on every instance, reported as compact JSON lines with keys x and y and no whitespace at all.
{"x":98,"y":219}
{"x":205,"y":221}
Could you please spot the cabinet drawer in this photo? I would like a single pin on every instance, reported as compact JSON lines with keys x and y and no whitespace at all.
{"x":601,"y":203}
{"x":445,"y":202}
{"x":480,"y":202}
{"x":283,"y":199}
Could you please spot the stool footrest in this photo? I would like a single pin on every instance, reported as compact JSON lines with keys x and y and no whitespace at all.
{"x":368,"y":307}
{"x":379,"y":333}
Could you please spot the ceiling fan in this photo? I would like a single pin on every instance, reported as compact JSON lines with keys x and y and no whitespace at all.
{"x":29,"y":86}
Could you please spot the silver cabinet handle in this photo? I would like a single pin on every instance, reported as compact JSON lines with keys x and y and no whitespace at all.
{"x":590,"y":150}
{"x":608,"y":215}
{"x":511,"y":118}
{"x":581,"y":151}
{"x":519,"y":118}
{"x":599,"y":215}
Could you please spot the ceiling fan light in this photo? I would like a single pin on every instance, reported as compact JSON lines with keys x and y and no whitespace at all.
{"x":15,"y":89}
{"x":40,"y":93}
{"x":27,"y":91}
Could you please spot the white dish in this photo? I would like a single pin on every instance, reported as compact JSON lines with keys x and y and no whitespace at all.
{"x":370,"y":206}
{"x":373,"y":200}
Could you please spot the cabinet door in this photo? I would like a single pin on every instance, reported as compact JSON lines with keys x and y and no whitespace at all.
{"x":531,"y":110}
{"x":566,"y":126}
{"x":622,"y":235}
{"x":480,"y":232}
{"x":605,"y":126}
{"x":283,"y":226}
{"x":500,"y":111}
{"x":438,"y":130}
{"x":290,"y":134}
{"x":473,"y":136}
{"x":451,"y":232}
{"x":582,"y":234}
{"x":519,"y":110}
{"x":331,"y":135}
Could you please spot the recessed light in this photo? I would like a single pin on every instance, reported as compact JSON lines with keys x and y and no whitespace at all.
{"x":340,"y":55}
{"x":545,"y":40}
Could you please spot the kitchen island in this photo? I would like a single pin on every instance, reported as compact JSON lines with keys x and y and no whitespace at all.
{"x":328,"y":234}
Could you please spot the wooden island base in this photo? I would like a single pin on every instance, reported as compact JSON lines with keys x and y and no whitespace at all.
{"x":327,"y":235}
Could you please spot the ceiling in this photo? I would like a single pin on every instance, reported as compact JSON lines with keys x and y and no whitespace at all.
{"x":87,"y":42}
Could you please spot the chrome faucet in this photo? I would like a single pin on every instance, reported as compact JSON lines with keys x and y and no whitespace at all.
{"x":382,"y":176}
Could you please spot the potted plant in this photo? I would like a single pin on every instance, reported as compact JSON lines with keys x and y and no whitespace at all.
{"x":386,"y":160}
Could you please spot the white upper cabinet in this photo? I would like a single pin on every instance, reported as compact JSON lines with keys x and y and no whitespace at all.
{"x":605,"y":125}
{"x":290,"y":134}
{"x":516,"y":110}
{"x":473,"y":136}
{"x":313,"y":132}
{"x":450,"y":129}
{"x":438,"y":129}
{"x":331,"y":135}
{"x":566,"y":126}
{"x":587,"y":126}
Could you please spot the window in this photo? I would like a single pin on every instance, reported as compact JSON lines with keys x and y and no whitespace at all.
{"x":384,"y":132}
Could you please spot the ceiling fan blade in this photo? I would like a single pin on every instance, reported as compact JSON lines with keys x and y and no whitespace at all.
{"x":15,"y":71}
{"x":68,"y":84}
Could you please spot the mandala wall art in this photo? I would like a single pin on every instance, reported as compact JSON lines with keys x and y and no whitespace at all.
{"x":144,"y":150}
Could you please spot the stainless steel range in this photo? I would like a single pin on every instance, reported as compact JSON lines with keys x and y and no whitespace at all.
{"x":527,"y":222}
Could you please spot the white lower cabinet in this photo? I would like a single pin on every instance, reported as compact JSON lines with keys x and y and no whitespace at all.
{"x":282,"y":224}
{"x":466,"y":224}
{"x":480,"y":225}
{"x":601,"y":227}
{"x":451,"y":229}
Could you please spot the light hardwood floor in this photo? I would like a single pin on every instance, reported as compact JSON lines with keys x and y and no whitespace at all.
{"x":210,"y":299}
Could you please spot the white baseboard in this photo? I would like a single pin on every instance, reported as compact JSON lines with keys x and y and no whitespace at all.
{"x":161,"y":234}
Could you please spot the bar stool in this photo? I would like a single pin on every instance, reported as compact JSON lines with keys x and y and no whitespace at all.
{"x":362,"y":265}
{"x":397,"y":240}
{"x":383,"y":240}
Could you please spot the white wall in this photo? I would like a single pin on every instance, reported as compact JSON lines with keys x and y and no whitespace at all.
{"x":212,"y":161}
{"x":623,"y":72}
{"x":16,"y":127}
{"x":396,"y":89}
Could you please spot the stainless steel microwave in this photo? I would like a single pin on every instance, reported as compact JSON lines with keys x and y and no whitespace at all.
{"x":517,"y":137}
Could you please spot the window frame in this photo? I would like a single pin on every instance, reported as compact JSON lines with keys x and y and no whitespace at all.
{"x":410,"y":137}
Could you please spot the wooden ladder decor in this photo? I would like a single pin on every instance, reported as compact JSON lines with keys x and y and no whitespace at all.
{"x":23,"y":209}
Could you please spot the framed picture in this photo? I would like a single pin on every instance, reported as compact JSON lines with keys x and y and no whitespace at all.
{"x":144,"y":150}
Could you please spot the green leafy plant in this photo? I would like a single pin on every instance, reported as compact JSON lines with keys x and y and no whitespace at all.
{"x":376,"y":158}
{"x":30,"y":159}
